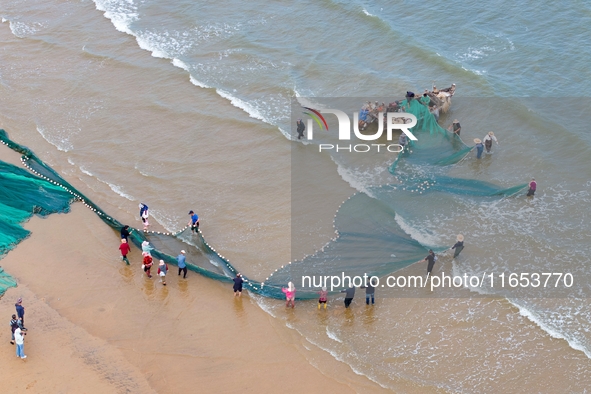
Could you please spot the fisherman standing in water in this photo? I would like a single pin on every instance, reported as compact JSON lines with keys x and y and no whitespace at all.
{"x":323,"y":299}
{"x":370,"y":292}
{"x":143,"y":209}
{"x":459,"y":245}
{"x":300,"y":129}
{"x":125,"y":233}
{"x":431,"y":261}
{"x":349,"y":294}
{"x":532,"y":188}
{"x":162,"y":271}
{"x":457,"y":128}
{"x":194,"y":222}
{"x":238,"y":285}
{"x":402,"y":141}
{"x":124,"y":248}
{"x":488,"y":140}
{"x":146,"y":247}
{"x":147,"y":264}
{"x":289,"y":295}
{"x":145,"y":216}
{"x":479,"y":147}
{"x":182,"y":264}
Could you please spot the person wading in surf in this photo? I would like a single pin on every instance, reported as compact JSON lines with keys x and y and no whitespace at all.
{"x":194,"y":222}
{"x":431,"y":261}
{"x":532,"y":188}
{"x":147,"y":264}
{"x":488,"y":140}
{"x":124,"y":248}
{"x":125,"y":233}
{"x":349,"y":294}
{"x":323,"y":299}
{"x":300,"y":129}
{"x":289,"y":295}
{"x":143,"y":209}
{"x":455,"y":127}
{"x":238,"y":285}
{"x":182,"y":264}
{"x":459,"y":245}
{"x":479,"y":147}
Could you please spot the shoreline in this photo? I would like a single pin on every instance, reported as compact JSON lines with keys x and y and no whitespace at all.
{"x":104,"y":305}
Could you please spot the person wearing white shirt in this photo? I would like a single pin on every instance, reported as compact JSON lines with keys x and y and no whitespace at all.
{"x":488,"y":140}
{"x":19,"y":338}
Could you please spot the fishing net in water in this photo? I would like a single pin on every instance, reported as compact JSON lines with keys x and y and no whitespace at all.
{"x":375,"y":236}
{"x":435,"y":146}
{"x":371,"y":236}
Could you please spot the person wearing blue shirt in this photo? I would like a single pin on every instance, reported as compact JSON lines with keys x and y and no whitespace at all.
{"x":194,"y":223}
{"x":182,"y":264}
{"x":479,"y":147}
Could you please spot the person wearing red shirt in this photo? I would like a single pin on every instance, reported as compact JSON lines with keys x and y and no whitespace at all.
{"x":147,"y":263}
{"x":124,"y":248}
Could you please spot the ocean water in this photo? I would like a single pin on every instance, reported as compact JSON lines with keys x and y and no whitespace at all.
{"x":187,"y":106}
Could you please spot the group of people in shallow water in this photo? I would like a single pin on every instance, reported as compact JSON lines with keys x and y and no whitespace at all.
{"x":369,"y":113}
{"x":290,"y":290}
{"x":370,"y":290}
{"x":147,"y":259}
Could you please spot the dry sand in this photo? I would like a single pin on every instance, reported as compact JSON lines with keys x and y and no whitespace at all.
{"x":97,"y":325}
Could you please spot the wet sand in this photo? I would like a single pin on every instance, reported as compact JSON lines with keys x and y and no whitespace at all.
{"x":97,"y":325}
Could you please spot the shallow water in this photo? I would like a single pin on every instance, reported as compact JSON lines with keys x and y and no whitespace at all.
{"x":204,"y":124}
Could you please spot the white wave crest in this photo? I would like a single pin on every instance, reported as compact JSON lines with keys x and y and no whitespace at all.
{"x":21,"y":29}
{"x":422,"y":237}
{"x":572,"y":342}
{"x":61,"y":144}
{"x":121,"y":13}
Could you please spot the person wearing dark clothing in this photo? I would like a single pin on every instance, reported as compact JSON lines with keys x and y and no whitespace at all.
{"x":370,"y":292}
{"x":459,"y":245}
{"x":14,"y":324}
{"x":125,"y":233}
{"x":349,"y":294}
{"x":20,"y":311}
{"x":488,"y":140}
{"x":238,"y":285}
{"x":532,"y":188}
{"x":455,"y":127}
{"x":301,"y":128}
{"x":430,"y":259}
